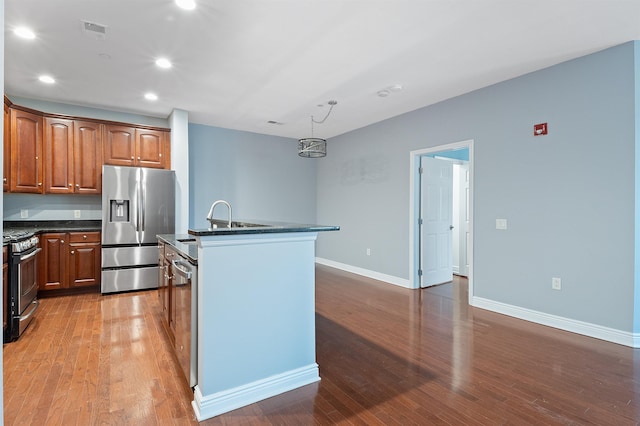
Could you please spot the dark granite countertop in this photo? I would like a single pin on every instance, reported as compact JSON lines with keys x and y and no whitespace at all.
{"x":176,"y":241}
{"x":260,"y":227}
{"x":43,"y":226}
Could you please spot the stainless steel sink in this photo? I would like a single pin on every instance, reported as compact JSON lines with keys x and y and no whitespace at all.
{"x":187,"y":241}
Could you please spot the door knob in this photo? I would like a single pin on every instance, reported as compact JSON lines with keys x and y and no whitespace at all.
{"x":450,"y":227}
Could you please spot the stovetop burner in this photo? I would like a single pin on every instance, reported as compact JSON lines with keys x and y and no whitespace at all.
{"x":15,"y":234}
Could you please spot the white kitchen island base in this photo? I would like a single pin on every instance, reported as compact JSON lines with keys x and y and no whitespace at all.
{"x":256,"y":318}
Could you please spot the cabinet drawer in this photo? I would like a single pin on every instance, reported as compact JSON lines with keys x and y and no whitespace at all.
{"x":84,"y":237}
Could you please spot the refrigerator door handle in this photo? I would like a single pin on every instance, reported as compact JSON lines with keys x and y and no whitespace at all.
{"x":143,"y":201}
{"x":138,"y":204}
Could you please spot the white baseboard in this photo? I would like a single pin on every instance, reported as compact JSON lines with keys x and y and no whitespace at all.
{"x":587,"y":329}
{"x":365,"y":272}
{"x":207,"y":406}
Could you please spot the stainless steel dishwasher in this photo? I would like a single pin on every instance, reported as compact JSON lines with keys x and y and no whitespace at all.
{"x":184,"y":306}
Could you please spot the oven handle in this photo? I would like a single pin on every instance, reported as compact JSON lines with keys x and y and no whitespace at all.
{"x":30,"y":255}
{"x":182,"y":272}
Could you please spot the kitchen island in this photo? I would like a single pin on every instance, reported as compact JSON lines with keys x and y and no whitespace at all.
{"x":256,"y":313}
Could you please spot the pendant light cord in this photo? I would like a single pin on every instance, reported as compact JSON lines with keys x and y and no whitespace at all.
{"x":332,"y":104}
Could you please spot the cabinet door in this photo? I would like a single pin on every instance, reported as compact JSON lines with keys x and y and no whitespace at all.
{"x":52,"y":262}
{"x":119,"y":145}
{"x":26,"y":152}
{"x":150,"y":147}
{"x":84,"y":259}
{"x":87,"y":152}
{"x":7,"y":149}
{"x":58,"y":156}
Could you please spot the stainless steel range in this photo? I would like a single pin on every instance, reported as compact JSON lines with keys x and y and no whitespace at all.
{"x":22,"y":300}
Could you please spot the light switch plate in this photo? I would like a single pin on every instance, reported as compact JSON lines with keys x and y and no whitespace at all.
{"x":76,"y":214}
{"x":24,"y":213}
{"x":501,"y":223}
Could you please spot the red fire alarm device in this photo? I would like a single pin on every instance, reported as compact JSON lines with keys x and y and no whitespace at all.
{"x":540,"y":129}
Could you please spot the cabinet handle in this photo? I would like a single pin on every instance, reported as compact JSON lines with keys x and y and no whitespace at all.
{"x":138,"y":158}
{"x":132,"y":158}
{"x":40,"y":184}
{"x":61,"y":241}
{"x":73,"y":252}
{"x":4,"y":180}
{"x":84,"y":236}
{"x":77,"y":185}
{"x":36,"y":157}
{"x":70,"y":185}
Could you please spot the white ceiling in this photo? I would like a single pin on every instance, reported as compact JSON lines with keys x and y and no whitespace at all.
{"x":240,"y":63}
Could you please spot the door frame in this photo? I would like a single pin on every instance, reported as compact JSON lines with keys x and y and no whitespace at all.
{"x":414,"y":208}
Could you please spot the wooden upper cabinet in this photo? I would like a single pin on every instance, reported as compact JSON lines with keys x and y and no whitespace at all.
{"x":58,"y":156}
{"x":150,"y":148}
{"x":7,"y":149}
{"x":73,"y":156}
{"x":119,"y":145}
{"x":26,"y":152}
{"x":87,"y":153}
{"x":131,"y":146}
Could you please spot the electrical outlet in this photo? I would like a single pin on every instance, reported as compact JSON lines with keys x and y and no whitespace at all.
{"x":24,"y":213}
{"x":368,"y":252}
{"x":501,"y":223}
{"x":556,"y":283}
{"x":76,"y":214}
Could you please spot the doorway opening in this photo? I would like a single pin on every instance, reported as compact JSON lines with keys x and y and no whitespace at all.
{"x":432,"y":226}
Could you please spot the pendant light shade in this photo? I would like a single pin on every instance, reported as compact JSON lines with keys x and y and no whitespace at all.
{"x":312,"y":147}
{"x":315,"y":147}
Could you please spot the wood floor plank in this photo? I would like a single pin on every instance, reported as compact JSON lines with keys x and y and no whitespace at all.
{"x":387,"y":356}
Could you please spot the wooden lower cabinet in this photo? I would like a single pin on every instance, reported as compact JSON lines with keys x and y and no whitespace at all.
{"x":84,"y":259}
{"x":52,"y":262}
{"x":69,"y":260}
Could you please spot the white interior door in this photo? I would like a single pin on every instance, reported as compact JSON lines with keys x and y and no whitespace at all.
{"x":437,"y":216}
{"x":463,"y":233}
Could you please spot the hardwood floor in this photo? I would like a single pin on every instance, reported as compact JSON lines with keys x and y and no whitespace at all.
{"x":387,"y":356}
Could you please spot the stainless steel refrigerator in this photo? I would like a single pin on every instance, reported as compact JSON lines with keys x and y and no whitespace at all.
{"x":137,"y":204}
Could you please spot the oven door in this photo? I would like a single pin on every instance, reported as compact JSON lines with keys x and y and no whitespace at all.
{"x":27,"y":282}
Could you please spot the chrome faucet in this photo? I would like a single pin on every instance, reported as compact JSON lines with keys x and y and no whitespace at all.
{"x":213,"y":206}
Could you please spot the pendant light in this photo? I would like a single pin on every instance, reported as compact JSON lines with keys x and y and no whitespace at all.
{"x":315,"y":147}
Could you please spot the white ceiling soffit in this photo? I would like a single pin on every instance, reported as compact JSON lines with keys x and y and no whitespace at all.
{"x":240,"y":64}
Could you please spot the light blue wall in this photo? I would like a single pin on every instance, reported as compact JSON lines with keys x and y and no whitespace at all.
{"x":260,"y":175}
{"x":52,"y":207}
{"x":568,"y":196}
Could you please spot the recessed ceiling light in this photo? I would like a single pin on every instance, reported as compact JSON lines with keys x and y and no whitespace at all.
{"x":186,"y":4}
{"x":151,"y":96}
{"x":46,"y":79}
{"x":24,"y":32}
{"x":163,"y":63}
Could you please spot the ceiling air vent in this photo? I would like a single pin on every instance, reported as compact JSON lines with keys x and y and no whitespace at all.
{"x":94,"y":30}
